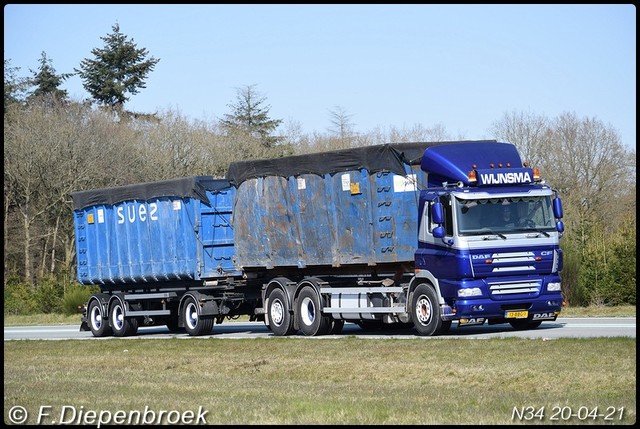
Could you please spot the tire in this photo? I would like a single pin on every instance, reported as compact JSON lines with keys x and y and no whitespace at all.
{"x":279,"y":313}
{"x":336,"y":327}
{"x":309,"y":314}
{"x":98,"y":323}
{"x":193,"y":323}
{"x":121,"y":326}
{"x":425,"y":311}
{"x":524,"y":324}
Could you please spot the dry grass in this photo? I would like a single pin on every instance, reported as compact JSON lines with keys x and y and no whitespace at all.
{"x":341,"y":381}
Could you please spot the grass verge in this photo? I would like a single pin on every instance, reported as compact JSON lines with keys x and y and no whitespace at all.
{"x":326,"y":381}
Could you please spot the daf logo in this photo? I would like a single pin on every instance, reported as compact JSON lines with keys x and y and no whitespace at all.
{"x":487,"y":256}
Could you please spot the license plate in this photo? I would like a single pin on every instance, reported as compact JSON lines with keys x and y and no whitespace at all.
{"x":517,"y":314}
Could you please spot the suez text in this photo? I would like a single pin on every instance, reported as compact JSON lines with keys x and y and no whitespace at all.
{"x":143,"y":213}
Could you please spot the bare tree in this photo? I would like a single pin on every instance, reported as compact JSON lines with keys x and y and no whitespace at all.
{"x":528,"y":131}
{"x":341,"y":125}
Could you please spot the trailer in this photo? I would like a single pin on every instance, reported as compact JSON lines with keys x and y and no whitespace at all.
{"x":161,"y":253}
{"x":378,"y":235}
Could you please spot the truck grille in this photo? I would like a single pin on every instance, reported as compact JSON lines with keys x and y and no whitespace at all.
{"x":512,"y":288}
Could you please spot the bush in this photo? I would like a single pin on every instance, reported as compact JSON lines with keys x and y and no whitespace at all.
{"x":19,"y":298}
{"x":75,"y":297}
{"x":48,"y":295}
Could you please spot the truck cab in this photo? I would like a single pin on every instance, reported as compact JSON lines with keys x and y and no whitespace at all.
{"x":488,"y":237}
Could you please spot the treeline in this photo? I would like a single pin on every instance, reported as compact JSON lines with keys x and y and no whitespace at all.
{"x":52,"y":149}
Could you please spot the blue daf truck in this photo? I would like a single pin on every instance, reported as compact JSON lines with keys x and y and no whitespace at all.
{"x":411,"y":234}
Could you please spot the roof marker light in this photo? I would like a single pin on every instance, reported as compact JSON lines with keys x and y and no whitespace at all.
{"x":536,"y":174}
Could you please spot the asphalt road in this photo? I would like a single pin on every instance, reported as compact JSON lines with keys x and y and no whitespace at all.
{"x":577,"y":327}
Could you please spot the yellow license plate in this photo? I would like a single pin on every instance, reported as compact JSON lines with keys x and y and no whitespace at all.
{"x":517,"y":314}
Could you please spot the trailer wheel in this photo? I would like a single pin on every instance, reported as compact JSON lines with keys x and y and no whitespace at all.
{"x":426,"y":311}
{"x":193,"y":323}
{"x":279,"y":314}
{"x":310,"y":318}
{"x":121,"y":326}
{"x":98,"y":323}
{"x":524,"y":324}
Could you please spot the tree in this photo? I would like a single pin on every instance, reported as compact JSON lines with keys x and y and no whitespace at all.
{"x":251,"y":116}
{"x":118,"y":68}
{"x":529,"y":132}
{"x":47,"y":81}
{"x":341,"y":125}
{"x":15,"y":87}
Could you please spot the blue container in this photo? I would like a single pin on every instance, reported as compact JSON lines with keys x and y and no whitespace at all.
{"x":341,"y":208}
{"x":175,"y":230}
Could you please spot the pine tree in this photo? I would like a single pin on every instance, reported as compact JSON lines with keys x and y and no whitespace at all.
{"x":118,"y":68}
{"x":47,"y":81}
{"x":249,"y":115}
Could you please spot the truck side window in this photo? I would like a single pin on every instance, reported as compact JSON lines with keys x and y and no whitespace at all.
{"x":448,"y":216}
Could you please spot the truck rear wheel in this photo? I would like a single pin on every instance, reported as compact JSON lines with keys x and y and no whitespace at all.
{"x":425,"y":310}
{"x":121,"y":326}
{"x":98,"y":323}
{"x":279,"y":314}
{"x":194,"y":324}
{"x":309,"y":314}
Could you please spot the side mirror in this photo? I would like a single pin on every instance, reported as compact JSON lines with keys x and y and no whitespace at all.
{"x":437,"y":213}
{"x":560,"y":226}
{"x":557,"y":208}
{"x":438,"y":231}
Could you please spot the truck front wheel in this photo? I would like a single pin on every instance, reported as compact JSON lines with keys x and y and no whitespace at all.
{"x":194,"y":324}
{"x":280,"y":319}
{"x":98,"y":322}
{"x":426,"y":311}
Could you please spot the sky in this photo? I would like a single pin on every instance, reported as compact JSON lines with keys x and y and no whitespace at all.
{"x":459,"y":66}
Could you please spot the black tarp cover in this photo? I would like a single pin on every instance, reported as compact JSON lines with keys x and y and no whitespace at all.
{"x":388,"y":157}
{"x":187,"y":187}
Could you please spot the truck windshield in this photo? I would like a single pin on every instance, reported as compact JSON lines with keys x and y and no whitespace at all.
{"x":504,"y":215}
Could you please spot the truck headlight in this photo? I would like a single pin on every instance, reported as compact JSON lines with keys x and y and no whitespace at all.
{"x":554,"y":287}
{"x":467,"y":292}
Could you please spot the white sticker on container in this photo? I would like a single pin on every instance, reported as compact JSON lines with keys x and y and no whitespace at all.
{"x":302,"y":184}
{"x":176,"y":204}
{"x":346,"y":182}
{"x":404,"y":184}
{"x":100,"y":216}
